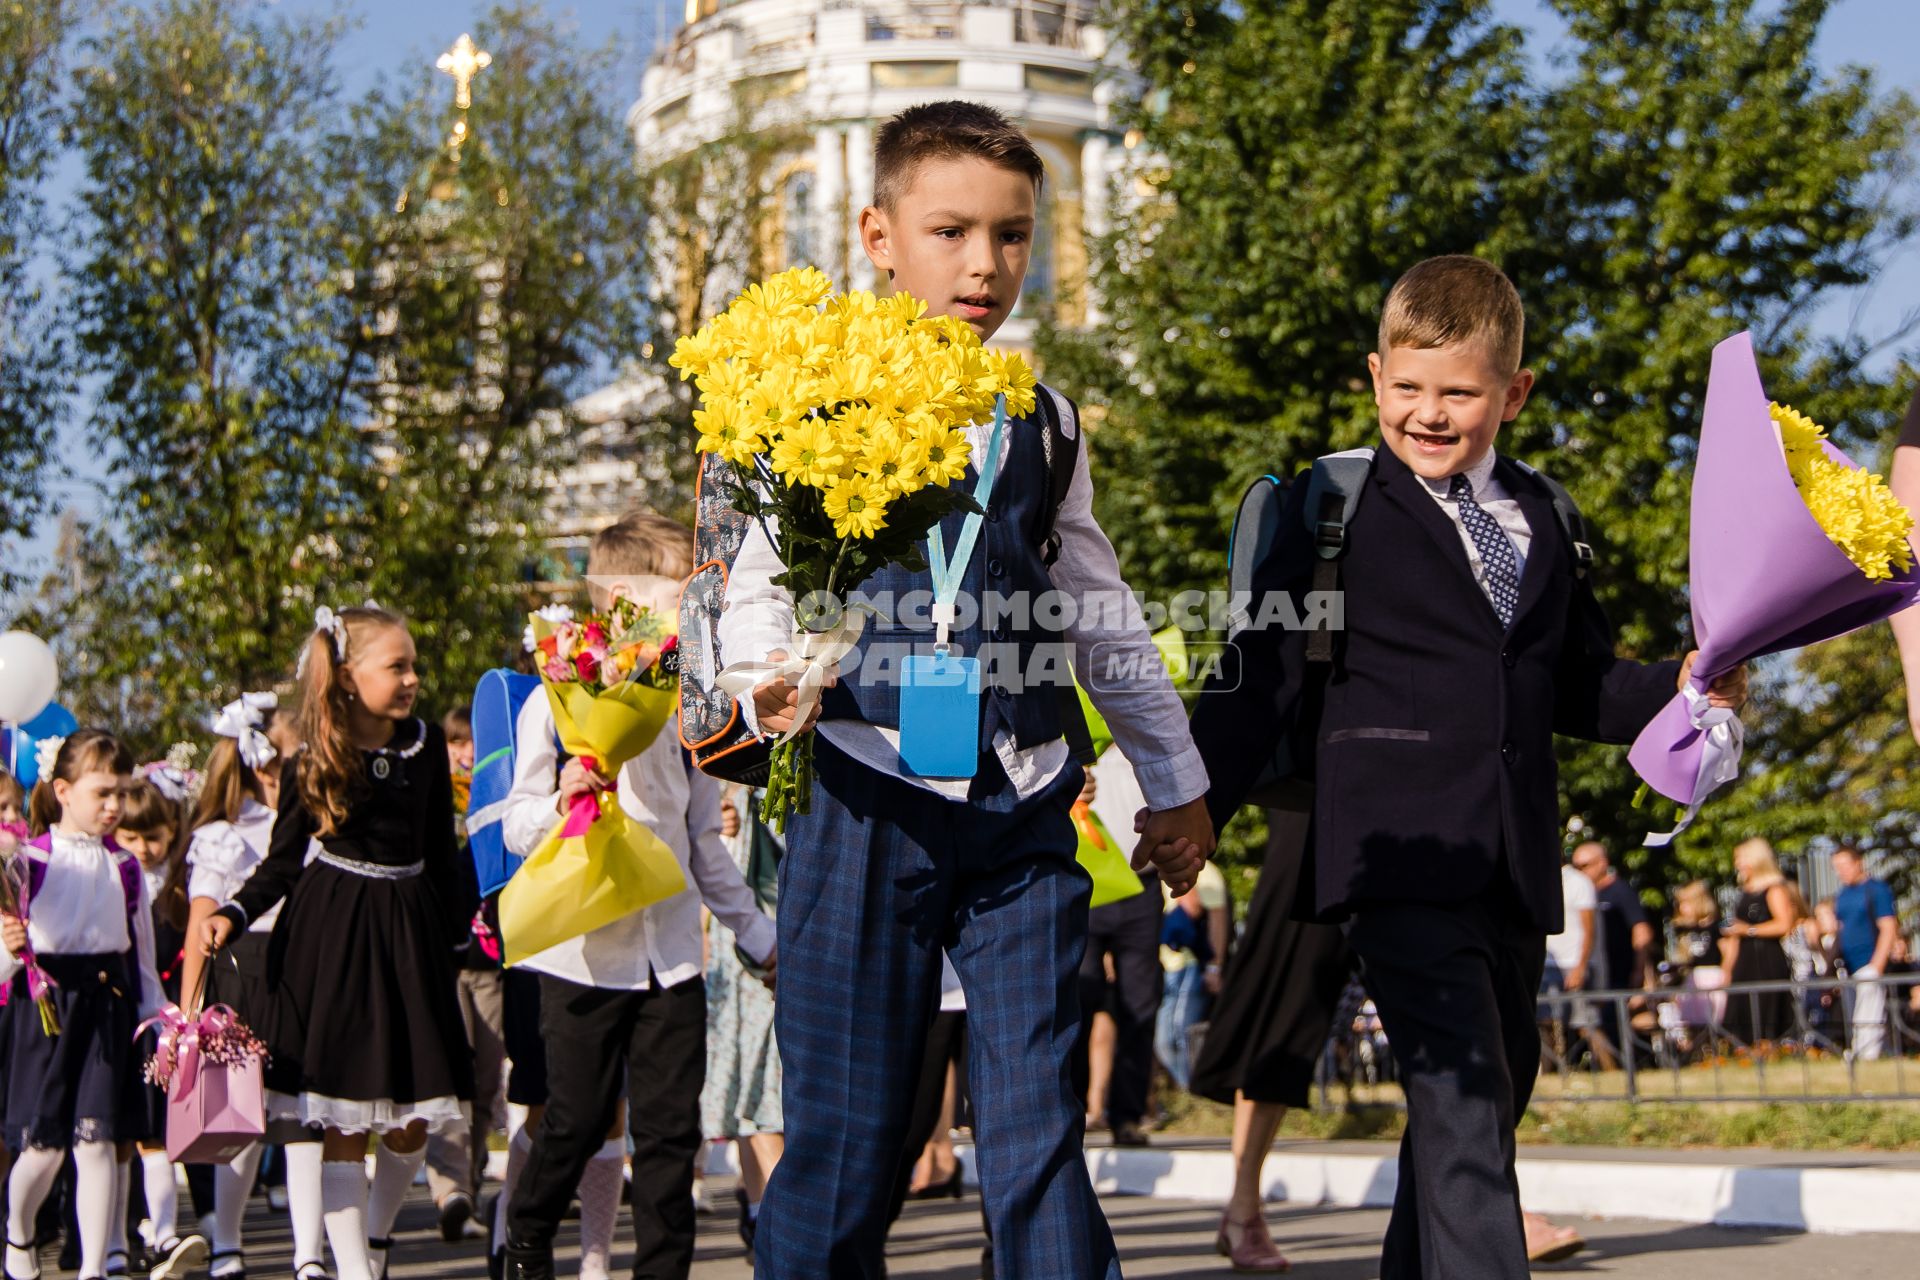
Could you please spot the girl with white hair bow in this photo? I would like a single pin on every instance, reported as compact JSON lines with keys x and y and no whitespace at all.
{"x":232,"y":824}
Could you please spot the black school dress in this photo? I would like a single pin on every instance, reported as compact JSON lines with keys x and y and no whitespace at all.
{"x":1753,"y":1018}
{"x":1280,"y":989}
{"x":365,"y":1034}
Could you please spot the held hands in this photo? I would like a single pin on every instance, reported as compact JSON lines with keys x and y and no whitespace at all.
{"x":1729,"y":688}
{"x":776,"y":701}
{"x":1177,"y":842}
{"x":13,"y":931}
{"x":215,"y":934}
{"x":578,"y":780}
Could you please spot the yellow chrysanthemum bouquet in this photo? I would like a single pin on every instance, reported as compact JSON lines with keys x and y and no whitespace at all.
{"x":842,"y":418}
{"x":1853,"y":506}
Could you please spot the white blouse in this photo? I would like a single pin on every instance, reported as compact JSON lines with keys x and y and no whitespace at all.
{"x":223,"y":854}
{"x":81,"y":909}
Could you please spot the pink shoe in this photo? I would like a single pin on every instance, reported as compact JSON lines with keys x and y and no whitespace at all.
{"x":1255,"y":1253}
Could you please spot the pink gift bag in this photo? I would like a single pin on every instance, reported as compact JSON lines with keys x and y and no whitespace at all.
{"x":213,"y":1109}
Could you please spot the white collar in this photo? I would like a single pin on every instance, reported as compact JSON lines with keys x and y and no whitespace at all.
{"x":1477,"y":477}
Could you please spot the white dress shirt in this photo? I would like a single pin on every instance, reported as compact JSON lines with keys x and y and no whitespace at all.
{"x":680,"y":806}
{"x":1493,"y":498}
{"x":223,"y":854}
{"x":81,"y":909}
{"x":1148,"y":719}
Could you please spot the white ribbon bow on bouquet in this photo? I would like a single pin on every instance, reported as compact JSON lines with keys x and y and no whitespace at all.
{"x":241,"y":720}
{"x":817,"y":654}
{"x":1719,"y":762}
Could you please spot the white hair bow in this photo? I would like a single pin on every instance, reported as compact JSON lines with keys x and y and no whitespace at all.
{"x":45,"y":753}
{"x":169,"y":781}
{"x":325,"y":619}
{"x":554,"y":613}
{"x":241,"y":720}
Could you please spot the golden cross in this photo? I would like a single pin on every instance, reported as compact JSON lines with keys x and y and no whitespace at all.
{"x":463,"y":62}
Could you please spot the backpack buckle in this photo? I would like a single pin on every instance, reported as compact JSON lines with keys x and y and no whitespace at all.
{"x":1582,"y":559}
{"x":1329,"y":539}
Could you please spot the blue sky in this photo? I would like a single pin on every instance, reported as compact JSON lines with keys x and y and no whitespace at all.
{"x":391,"y":34}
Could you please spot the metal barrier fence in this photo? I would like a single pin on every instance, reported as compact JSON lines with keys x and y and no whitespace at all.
{"x":1821,"y":1040}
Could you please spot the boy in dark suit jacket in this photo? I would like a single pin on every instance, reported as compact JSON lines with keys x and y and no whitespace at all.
{"x":1469,"y":640}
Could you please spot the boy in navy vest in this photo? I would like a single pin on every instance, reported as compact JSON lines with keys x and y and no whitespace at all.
{"x":889,"y":868}
{"x":1472,"y":636}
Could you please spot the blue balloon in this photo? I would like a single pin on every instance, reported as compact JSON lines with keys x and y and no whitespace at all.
{"x":54,"y":722}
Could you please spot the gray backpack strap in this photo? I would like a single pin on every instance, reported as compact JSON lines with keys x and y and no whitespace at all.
{"x":1567,"y":512}
{"x":1333,"y":493}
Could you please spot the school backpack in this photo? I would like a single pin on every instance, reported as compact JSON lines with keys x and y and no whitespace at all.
{"x":497,"y":700}
{"x":1334,"y":484}
{"x":711,"y":726}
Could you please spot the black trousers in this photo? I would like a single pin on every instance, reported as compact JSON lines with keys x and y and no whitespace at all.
{"x":658,"y":1038}
{"x":1130,"y":931}
{"x":1455,"y":985}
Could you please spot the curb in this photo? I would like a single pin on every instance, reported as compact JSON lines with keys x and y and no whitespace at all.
{"x":1826,"y":1199}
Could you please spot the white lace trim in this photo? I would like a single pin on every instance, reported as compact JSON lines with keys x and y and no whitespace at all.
{"x":355,"y":1115}
{"x":406,"y":753}
{"x":372,"y":870}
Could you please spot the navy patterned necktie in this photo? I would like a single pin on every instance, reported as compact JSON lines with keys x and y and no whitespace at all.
{"x":1496,"y":550}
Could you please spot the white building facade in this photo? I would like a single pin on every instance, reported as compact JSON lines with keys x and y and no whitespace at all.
{"x":838,"y":68}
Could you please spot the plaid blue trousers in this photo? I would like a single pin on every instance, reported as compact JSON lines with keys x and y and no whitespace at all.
{"x":877,"y":880}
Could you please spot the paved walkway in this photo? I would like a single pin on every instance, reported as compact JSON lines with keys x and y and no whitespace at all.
{"x":1162,"y":1238}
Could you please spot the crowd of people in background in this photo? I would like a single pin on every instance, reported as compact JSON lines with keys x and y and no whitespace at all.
{"x":1753,"y":971}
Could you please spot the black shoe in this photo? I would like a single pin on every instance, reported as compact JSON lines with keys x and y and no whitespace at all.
{"x":177,"y":1258}
{"x":497,"y":1264}
{"x":1128,"y":1133}
{"x":378,"y":1251}
{"x":26,"y":1248}
{"x":455,"y":1212}
{"x":119,"y":1263}
{"x":233,"y":1273}
{"x":529,"y":1262}
{"x":312,"y":1271}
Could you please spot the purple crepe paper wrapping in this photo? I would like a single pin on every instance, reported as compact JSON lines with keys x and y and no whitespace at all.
{"x":1764,"y":576}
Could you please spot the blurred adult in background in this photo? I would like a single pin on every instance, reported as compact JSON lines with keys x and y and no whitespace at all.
{"x":1769,"y":909}
{"x":1193,"y":946}
{"x":1575,"y":965}
{"x":1865,"y":910}
{"x":1625,"y":942}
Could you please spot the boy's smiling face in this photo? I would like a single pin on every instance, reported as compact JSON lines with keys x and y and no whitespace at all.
{"x":1441,"y":407}
{"x":958,"y":238}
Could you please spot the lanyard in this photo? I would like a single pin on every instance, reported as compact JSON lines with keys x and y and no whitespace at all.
{"x":947,"y":573}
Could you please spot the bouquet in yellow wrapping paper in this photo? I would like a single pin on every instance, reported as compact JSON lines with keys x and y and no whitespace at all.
{"x":611,"y":681}
{"x":1100,"y":855}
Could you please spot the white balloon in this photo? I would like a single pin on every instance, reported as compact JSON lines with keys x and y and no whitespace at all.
{"x":29,"y":677}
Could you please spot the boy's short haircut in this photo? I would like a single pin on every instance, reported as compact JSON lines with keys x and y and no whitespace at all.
{"x":642,"y":544}
{"x":1456,"y":298}
{"x":457,"y":724}
{"x":946,"y":131}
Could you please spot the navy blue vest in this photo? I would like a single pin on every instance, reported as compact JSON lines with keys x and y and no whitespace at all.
{"x":1003,"y":618}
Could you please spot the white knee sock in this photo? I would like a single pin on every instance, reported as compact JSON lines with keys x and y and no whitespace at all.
{"x":393,"y":1173}
{"x":519,"y":1147}
{"x":93,"y":1164}
{"x":34,"y":1171}
{"x":117,"y":1224}
{"x":343,"y":1195}
{"x":600,"y":1208}
{"x":232,"y":1185}
{"x":304,"y":1202}
{"x":163,"y":1196}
